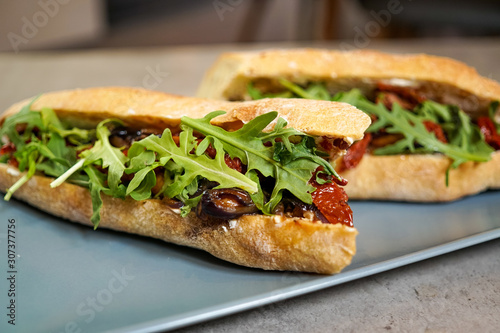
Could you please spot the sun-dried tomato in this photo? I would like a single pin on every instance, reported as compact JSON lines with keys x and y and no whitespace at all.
{"x":331,"y":201}
{"x":332,"y":145}
{"x":407,"y":97}
{"x":355,"y":153}
{"x":233,"y":163}
{"x":432,"y":127}
{"x":388,"y":99}
{"x":13,"y":161}
{"x":7,"y":148}
{"x":491,"y":136}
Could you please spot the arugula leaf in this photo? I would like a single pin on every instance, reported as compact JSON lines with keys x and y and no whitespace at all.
{"x":187,"y":196}
{"x":253,"y":92}
{"x":110,"y":157}
{"x":433,"y":111}
{"x":29,"y":160}
{"x":97,"y":185}
{"x":103,"y":153}
{"x":315,"y":91}
{"x":32,"y":119}
{"x":49,"y":118}
{"x":97,"y":182}
{"x":256,"y":94}
{"x":282,"y":132}
{"x":410,"y":125}
{"x":141,"y":185}
{"x":312,"y":91}
{"x":492,"y":112}
{"x":106,"y":156}
{"x":193,"y":163}
{"x":144,"y":179}
{"x":291,"y":171}
{"x":52,"y":125}
{"x":59,"y":156}
{"x":46,"y":151}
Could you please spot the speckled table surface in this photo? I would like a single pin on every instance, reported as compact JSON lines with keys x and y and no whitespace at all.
{"x":456,"y":292}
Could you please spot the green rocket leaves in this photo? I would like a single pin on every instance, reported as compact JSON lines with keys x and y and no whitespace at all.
{"x":278,"y":160}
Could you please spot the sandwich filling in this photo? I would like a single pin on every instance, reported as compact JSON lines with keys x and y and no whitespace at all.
{"x":194,"y":168}
{"x":405,"y":120}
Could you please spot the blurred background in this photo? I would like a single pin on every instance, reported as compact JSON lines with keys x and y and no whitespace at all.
{"x":67,"y":24}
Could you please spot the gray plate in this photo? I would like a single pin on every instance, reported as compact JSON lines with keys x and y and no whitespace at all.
{"x":70,"y":279}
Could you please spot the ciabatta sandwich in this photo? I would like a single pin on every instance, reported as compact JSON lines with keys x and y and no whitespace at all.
{"x":250,"y":183}
{"x":436,"y":122}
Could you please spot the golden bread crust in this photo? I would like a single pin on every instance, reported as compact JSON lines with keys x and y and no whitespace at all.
{"x":145,"y":108}
{"x":229,"y":75}
{"x":266,"y":242}
{"x":419,"y":178}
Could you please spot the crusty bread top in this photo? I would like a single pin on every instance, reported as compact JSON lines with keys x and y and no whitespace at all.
{"x":230,"y":74}
{"x":144,"y":108}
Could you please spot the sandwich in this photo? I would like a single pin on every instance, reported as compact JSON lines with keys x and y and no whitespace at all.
{"x":249,"y":182}
{"x":435,"y":131}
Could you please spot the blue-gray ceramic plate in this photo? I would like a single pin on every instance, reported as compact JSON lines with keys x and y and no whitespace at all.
{"x":69,"y":278}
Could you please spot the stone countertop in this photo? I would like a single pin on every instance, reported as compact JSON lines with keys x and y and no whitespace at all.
{"x":456,"y":292}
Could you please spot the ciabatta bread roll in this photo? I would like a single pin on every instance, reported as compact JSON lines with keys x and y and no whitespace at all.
{"x":227,"y":222}
{"x":417,"y":173}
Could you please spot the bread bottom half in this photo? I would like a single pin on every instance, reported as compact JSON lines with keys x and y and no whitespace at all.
{"x":267,"y":242}
{"x":419,"y":178}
